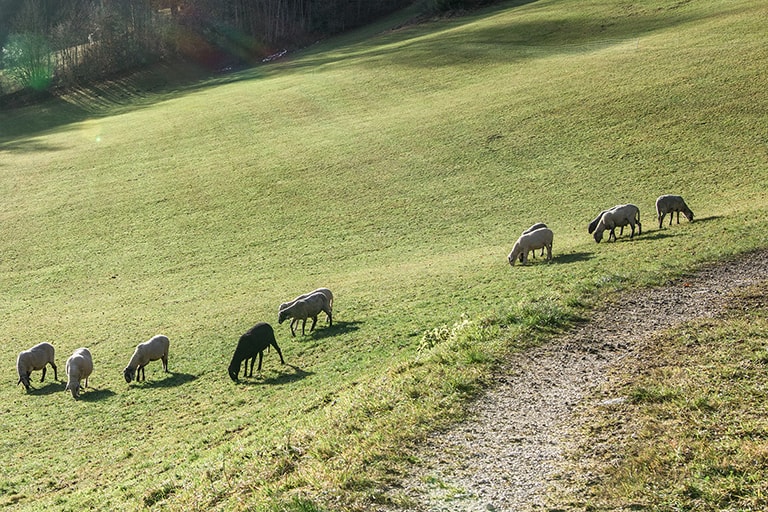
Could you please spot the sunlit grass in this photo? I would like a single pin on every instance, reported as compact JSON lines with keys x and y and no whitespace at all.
{"x":694,"y":425}
{"x":396,"y":170}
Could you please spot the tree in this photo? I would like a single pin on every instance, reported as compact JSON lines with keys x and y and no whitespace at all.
{"x":27,"y":54}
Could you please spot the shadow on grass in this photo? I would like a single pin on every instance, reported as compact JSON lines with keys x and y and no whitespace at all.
{"x":514,"y":40}
{"x":572,"y":257}
{"x":117,"y":95}
{"x":283,"y":378}
{"x":334,"y":330}
{"x":94,"y":395}
{"x":707,"y":219}
{"x":656,"y":234}
{"x":175,"y":379}
{"x":451,"y":42}
{"x":651,"y":235}
{"x":48,"y":388}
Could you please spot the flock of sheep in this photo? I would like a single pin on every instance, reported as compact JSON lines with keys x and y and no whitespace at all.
{"x":539,"y":236}
{"x":261,"y":336}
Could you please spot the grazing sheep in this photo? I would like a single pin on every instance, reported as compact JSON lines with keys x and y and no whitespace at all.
{"x":152,"y":350}
{"x":33,"y":359}
{"x":324,"y":291}
{"x":302,"y":309}
{"x":259,"y":337}
{"x":593,"y":225}
{"x":621,"y":215}
{"x":530,"y":242}
{"x":669,"y":204}
{"x":536,"y":226}
{"x":79,"y":367}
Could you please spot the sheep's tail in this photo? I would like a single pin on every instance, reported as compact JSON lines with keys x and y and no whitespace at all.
{"x":20,"y":371}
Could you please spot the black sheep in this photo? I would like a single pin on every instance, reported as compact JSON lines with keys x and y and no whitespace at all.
{"x":253,"y":343}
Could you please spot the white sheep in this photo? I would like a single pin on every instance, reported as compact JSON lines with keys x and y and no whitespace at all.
{"x":536,"y":226}
{"x":593,"y":225}
{"x":530,"y":242}
{"x":618,"y":216}
{"x":79,"y":367}
{"x":33,"y":359}
{"x":308,"y":307}
{"x":325,"y":291}
{"x":151,"y":350}
{"x":669,"y":204}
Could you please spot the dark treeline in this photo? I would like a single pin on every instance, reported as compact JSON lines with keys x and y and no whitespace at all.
{"x":67,"y":43}
{"x":72,"y":42}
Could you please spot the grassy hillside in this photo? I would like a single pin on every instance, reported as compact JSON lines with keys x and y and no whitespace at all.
{"x":396,"y":169}
{"x":691,"y":433}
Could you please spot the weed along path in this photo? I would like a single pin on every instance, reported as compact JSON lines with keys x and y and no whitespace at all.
{"x":511,"y":453}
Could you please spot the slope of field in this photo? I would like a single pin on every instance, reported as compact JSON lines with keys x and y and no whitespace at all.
{"x":396,"y":169}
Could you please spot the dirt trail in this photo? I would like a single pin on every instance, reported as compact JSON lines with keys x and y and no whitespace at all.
{"x":512,"y":450}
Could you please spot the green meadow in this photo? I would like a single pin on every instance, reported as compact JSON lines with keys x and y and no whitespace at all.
{"x":395,"y":165}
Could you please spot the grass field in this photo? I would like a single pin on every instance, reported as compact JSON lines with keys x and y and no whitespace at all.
{"x":691,"y":434}
{"x":396,"y":167}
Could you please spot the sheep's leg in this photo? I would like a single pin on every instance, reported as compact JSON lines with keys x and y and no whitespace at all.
{"x":43,"y":377}
{"x":253,"y":360}
{"x":314,"y":321}
{"x":633,"y":231}
{"x":294,"y":322}
{"x":549,"y":252}
{"x":274,"y":344}
{"x":293,"y":330}
{"x":330,"y":317}
{"x":525,"y":257}
{"x":303,"y":325}
{"x":142,"y":372}
{"x":639,"y":227}
{"x":165,"y":363}
{"x":621,"y":232}
{"x":678,"y":216}
{"x":612,"y":234}
{"x":261,"y":356}
{"x":55,"y":373}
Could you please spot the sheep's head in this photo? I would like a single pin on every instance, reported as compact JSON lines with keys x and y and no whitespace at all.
{"x":233,"y":372}
{"x":129,"y":373}
{"x":24,"y":379}
{"x":516,"y":252}
{"x":598,"y":235}
{"x":282,"y":316}
{"x":74,"y":387}
{"x":688,"y":215}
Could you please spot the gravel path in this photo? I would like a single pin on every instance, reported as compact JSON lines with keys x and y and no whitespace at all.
{"x":509,"y":454}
